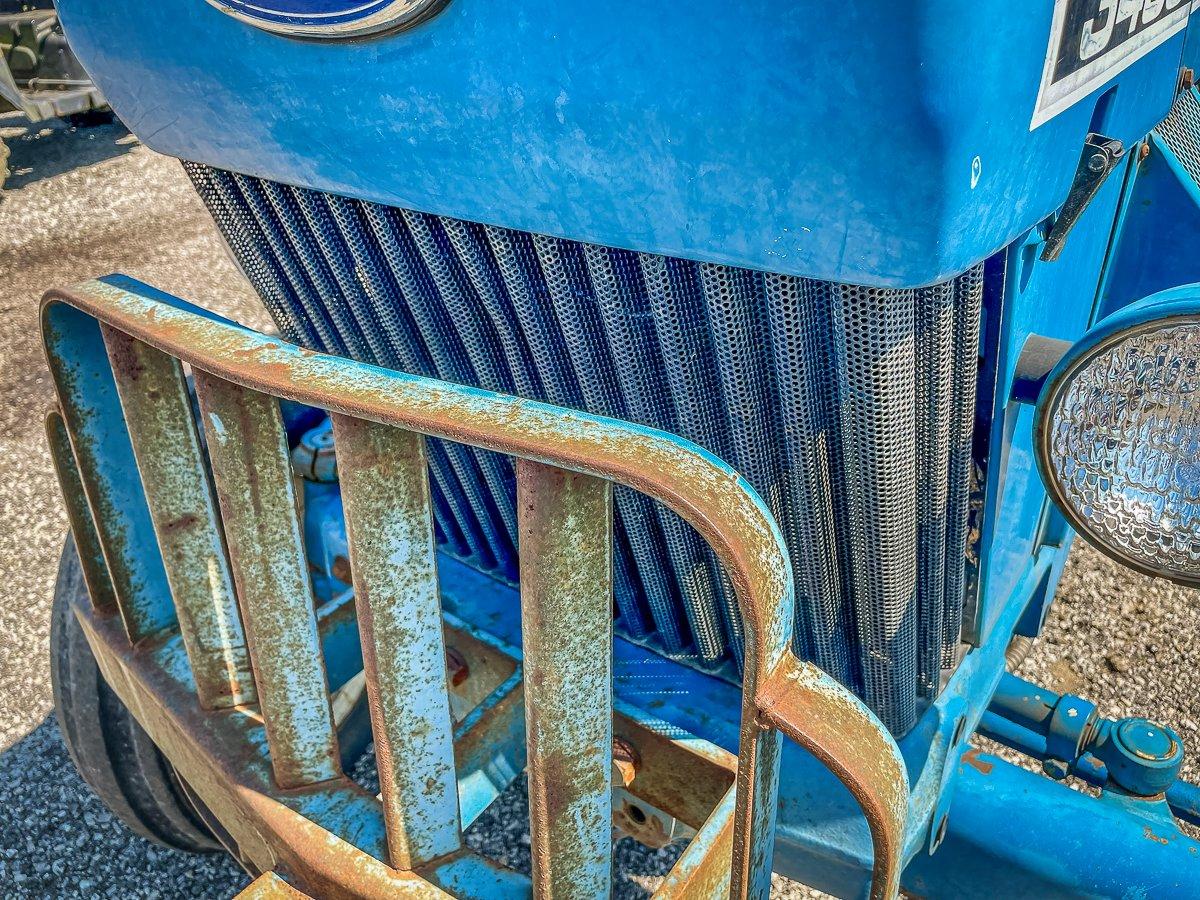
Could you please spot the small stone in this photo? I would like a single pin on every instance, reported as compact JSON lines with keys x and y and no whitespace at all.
{"x":1118,"y":663}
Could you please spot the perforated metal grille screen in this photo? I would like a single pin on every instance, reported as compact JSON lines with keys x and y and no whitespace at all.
{"x":848,"y":408}
{"x":1181,"y":130}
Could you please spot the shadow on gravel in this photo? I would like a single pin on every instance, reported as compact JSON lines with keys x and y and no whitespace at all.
{"x":58,"y":840}
{"x":39,"y":150}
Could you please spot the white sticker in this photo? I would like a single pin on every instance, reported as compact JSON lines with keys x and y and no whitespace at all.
{"x":1093,"y":40}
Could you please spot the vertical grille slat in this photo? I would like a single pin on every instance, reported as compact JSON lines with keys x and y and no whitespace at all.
{"x":968,"y":299}
{"x":681,"y":325}
{"x":800,"y":312}
{"x":564,"y":270}
{"x":645,"y":398}
{"x":643,"y":531}
{"x":291,"y":263}
{"x":343,"y":296}
{"x":874,"y":345}
{"x":935,"y":365}
{"x":439,"y":352}
{"x":246,"y":244}
{"x":849,"y":409}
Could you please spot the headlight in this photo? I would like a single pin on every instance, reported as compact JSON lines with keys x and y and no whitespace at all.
{"x":1118,"y":435}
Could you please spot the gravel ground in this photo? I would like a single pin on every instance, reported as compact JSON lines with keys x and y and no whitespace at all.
{"x":85,"y":202}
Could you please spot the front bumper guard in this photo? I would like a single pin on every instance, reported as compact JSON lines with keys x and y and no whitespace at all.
{"x":202,"y":616}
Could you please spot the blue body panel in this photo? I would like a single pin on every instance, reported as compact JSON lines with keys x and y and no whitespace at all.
{"x":1146,"y":257}
{"x":883,"y":144}
{"x":1052,"y":299}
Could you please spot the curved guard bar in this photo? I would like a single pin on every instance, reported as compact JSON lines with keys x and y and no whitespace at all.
{"x":837,"y":729}
{"x":797,"y":699}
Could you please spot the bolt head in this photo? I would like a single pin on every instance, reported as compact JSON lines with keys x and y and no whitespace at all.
{"x":1097,"y":163}
{"x":1147,"y":741}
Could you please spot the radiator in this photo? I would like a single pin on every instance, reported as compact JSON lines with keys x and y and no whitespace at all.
{"x":848,"y":408}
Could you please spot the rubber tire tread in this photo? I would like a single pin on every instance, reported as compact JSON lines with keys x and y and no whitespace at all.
{"x":112,"y":752}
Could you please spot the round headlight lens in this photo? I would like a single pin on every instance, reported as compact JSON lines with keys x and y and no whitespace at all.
{"x":1119,"y":442}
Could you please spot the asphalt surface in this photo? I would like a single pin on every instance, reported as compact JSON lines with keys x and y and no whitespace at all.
{"x":85,"y":202}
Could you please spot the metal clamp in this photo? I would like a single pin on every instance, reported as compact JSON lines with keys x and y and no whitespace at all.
{"x":1100,"y":156}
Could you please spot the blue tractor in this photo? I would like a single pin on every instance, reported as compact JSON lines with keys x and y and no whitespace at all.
{"x":687,"y":407}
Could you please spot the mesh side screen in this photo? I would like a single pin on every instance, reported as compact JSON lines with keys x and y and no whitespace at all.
{"x":849,"y":409}
{"x":1181,"y":130}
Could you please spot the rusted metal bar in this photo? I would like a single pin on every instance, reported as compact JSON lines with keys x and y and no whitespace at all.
{"x":385,"y":493}
{"x":565,"y":524}
{"x":489,"y":748}
{"x":328,"y":838}
{"x":754,"y":816}
{"x":253,"y":475}
{"x":687,"y":779}
{"x":158,"y":414}
{"x":702,"y":872}
{"x":721,"y":505}
{"x":270,"y":887}
{"x":91,"y":410}
{"x":832,"y":727}
{"x":83,"y":529}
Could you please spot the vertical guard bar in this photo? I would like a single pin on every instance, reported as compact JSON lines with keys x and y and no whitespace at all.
{"x":797,"y":699}
{"x":385,"y":493}
{"x":83,"y":529}
{"x":91,"y":410}
{"x":158,"y":414}
{"x":249,"y":452}
{"x":565,"y":526}
{"x":756,"y":802}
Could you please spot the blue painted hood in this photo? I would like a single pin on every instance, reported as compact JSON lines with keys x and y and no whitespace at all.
{"x":884,"y":144}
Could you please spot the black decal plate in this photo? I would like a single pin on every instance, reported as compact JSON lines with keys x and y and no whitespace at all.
{"x":1093,"y":40}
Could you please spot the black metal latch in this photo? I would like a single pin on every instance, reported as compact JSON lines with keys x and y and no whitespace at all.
{"x":1100,"y":156}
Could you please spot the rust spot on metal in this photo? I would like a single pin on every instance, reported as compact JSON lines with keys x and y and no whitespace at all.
{"x":975,"y":760}
{"x":341,"y":569}
{"x":457,"y":669}
{"x":1151,"y":836}
{"x":625,"y":762}
{"x":644,"y":827}
{"x":182,"y":522}
{"x":684,"y":779}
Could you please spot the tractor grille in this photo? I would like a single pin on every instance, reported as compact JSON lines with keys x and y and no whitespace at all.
{"x":849,"y":409}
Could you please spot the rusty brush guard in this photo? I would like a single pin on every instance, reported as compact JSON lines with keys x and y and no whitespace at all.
{"x":216,"y":647}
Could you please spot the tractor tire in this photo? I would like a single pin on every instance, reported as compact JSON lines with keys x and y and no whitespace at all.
{"x":110,"y":749}
{"x":114,"y":754}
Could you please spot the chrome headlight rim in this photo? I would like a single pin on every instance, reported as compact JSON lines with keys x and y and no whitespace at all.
{"x":1177,"y":306}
